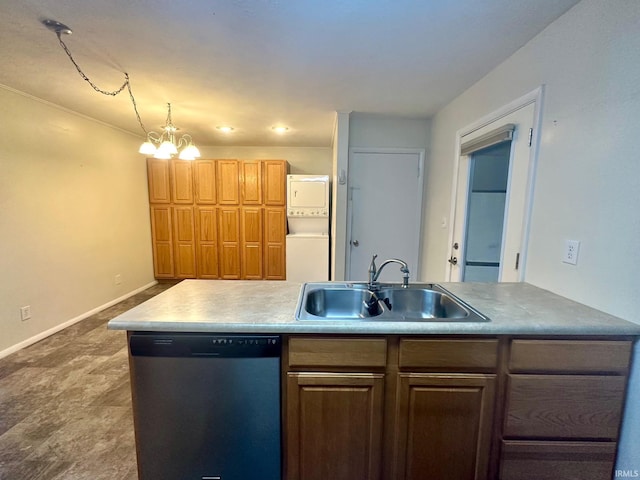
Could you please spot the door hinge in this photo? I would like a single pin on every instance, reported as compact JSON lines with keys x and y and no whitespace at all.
{"x":530,"y":136}
{"x":517,"y":260}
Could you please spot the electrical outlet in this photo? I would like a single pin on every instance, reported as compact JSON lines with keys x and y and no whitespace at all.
{"x":571,"y":249}
{"x":118,"y":279}
{"x":25,"y":312}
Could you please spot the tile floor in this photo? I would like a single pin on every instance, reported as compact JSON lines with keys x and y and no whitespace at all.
{"x":65,"y":403}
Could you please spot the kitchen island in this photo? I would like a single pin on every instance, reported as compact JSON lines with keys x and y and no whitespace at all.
{"x":536,"y":392}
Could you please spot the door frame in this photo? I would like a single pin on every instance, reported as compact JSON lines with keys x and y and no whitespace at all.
{"x":421,"y":154}
{"x":536,"y":97}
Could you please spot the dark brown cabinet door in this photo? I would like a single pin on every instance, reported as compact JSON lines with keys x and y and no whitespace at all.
{"x":443,"y":426}
{"x":334,"y":426}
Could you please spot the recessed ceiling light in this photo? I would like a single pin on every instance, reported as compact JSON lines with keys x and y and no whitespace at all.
{"x":280,"y":129}
{"x":224,"y":128}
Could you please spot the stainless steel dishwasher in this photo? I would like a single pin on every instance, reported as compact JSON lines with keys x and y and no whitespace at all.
{"x":206,"y":406}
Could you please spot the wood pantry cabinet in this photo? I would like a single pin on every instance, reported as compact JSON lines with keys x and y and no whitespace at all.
{"x":477,"y":408}
{"x":218,"y":218}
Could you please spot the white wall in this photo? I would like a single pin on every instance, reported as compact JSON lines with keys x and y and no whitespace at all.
{"x":588,"y":177}
{"x":340,"y":162}
{"x":386,"y":131}
{"x":73,"y":214}
{"x":302,"y":160}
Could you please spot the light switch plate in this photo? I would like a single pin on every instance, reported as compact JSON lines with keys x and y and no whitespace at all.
{"x":571,"y":249}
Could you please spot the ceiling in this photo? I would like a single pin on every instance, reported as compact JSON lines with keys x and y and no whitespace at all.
{"x":254,"y":64}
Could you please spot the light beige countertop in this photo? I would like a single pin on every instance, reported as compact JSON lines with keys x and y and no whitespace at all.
{"x":237,"y":306}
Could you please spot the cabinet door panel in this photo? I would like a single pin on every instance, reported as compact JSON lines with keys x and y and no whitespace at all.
{"x":182,"y":181}
{"x":162,"y":241}
{"x":184,"y":242}
{"x":228,"y":182}
{"x":207,"y":242}
{"x":205,"y":181}
{"x":274,"y":241}
{"x":252,"y":243}
{"x":334,"y":426}
{"x":443,"y":426}
{"x":557,"y":460}
{"x":275,"y":175}
{"x":158,"y":178}
{"x":564,"y":406}
{"x":251,"y":183}
{"x":229,"y":244}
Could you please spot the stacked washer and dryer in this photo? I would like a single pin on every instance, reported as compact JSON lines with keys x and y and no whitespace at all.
{"x":308,"y":223}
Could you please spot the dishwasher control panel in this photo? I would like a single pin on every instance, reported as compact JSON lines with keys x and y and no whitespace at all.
{"x":204,"y":345}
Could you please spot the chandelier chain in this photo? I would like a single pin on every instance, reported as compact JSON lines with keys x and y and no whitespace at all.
{"x":126,"y":84}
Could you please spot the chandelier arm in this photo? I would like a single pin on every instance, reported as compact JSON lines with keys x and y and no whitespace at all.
{"x":154,"y":137}
{"x":186,"y":140}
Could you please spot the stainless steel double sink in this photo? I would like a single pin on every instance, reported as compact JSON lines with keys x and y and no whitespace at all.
{"x":420,"y":302}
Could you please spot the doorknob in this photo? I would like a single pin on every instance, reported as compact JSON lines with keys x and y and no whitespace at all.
{"x":355,"y":243}
{"x":453,"y":260}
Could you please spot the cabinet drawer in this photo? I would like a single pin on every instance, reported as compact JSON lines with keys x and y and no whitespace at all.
{"x":569,"y":356}
{"x":557,"y":460}
{"x":564,"y":406}
{"x":465,"y":355}
{"x":337,"y":352}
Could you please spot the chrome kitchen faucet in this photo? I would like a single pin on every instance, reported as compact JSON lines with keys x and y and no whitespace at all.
{"x":374,"y":272}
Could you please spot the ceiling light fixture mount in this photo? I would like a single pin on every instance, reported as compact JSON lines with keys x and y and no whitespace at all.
{"x":168,"y":144}
{"x":280,"y":129}
{"x":57,"y":27}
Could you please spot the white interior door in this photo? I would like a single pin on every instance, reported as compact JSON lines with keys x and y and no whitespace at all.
{"x":511,"y":252}
{"x":385,"y":211}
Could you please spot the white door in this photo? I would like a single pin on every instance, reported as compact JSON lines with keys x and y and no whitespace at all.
{"x":501,"y":212}
{"x":385,"y":211}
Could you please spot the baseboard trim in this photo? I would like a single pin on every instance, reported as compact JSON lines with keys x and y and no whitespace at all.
{"x":68,"y":323}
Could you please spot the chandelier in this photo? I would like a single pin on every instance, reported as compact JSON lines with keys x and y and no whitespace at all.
{"x":167,"y":143}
